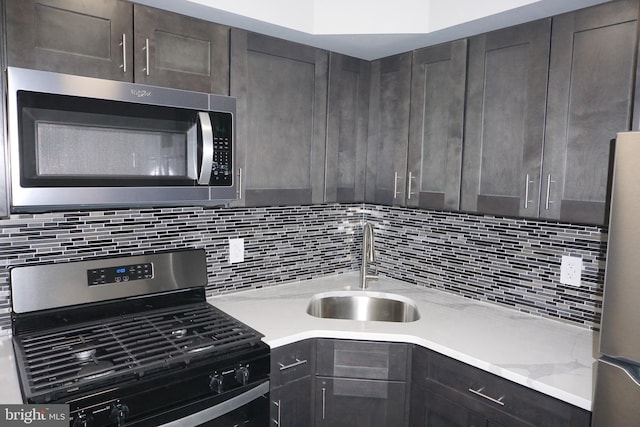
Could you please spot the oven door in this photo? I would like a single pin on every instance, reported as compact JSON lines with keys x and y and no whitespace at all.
{"x":249,"y":408}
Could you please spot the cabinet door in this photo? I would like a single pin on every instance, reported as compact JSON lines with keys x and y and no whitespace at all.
{"x":4,"y":196}
{"x":282,"y":95}
{"x":180,"y":51}
{"x":438,"y":82}
{"x":354,"y":402}
{"x":291,"y":404}
{"x":71,"y":36}
{"x":506,"y":97}
{"x":388,"y":129}
{"x":590,"y":98}
{"x":362,"y":359}
{"x":432,"y":410}
{"x":348,"y":112}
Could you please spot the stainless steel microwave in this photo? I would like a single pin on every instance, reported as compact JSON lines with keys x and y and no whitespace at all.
{"x":79,"y":142}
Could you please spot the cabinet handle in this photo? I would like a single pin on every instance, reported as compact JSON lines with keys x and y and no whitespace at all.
{"x":239,"y":191}
{"x":277,"y":422}
{"x":146,"y":56}
{"x":324,"y":400}
{"x":479,"y":391}
{"x":549,"y":182}
{"x":409,"y":192}
{"x":395,"y":185}
{"x":526,"y":192}
{"x":298,"y":362}
{"x":124,"y":52}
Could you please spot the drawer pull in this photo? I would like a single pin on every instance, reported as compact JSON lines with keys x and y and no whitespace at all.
{"x":479,"y":392}
{"x":298,"y":362}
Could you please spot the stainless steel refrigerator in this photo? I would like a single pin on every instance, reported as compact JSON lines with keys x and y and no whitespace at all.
{"x":617,"y":384}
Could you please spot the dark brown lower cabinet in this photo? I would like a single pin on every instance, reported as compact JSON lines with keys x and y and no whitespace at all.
{"x":290,"y":394}
{"x":432,"y":409}
{"x":446,"y":392}
{"x":351,"y":402}
{"x":335,"y":383}
{"x":291,"y":404}
{"x":361,"y":383}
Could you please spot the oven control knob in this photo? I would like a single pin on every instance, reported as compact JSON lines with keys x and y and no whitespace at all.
{"x":215,"y":382}
{"x":242,"y":375}
{"x":119,"y":411}
{"x":82,"y":420}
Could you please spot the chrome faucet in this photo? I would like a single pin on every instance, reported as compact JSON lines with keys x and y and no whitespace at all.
{"x":368,"y":256}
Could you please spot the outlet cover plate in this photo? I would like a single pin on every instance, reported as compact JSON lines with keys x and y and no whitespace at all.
{"x":571,"y":270}
{"x":236,"y":250}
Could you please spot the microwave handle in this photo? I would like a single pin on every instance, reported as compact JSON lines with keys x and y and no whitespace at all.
{"x":207,"y":148}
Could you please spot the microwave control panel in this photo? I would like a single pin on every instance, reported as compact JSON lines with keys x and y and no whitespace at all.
{"x":222,"y":166}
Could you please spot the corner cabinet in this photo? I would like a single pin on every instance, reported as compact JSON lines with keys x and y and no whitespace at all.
{"x":281,"y":89}
{"x":361,"y":383}
{"x":591,"y":80}
{"x":348,"y":114}
{"x":505,"y":117}
{"x":389,"y":107}
{"x":445,"y":392}
{"x":117,"y":40}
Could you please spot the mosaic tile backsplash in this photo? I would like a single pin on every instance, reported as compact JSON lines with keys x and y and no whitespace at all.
{"x":512,"y":262}
{"x":281,"y":244}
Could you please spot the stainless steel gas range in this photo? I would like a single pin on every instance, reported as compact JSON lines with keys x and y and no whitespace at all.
{"x":131,"y":341}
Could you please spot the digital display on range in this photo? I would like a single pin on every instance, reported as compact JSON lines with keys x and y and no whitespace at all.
{"x":120,"y":274}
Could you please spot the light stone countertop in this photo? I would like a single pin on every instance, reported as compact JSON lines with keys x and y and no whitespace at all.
{"x":549,"y":356}
{"x":545,"y":355}
{"x":9,"y":385}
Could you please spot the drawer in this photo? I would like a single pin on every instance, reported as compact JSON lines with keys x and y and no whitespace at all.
{"x":362,"y":359}
{"x":493,"y":391}
{"x":291,"y":362}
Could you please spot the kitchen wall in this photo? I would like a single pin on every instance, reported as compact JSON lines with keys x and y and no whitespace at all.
{"x":512,"y":262}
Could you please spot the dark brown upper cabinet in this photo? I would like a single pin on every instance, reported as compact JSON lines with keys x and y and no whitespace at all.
{"x":116,"y":40}
{"x":388,"y":135}
{"x":348,"y":114}
{"x":591,"y":82}
{"x":438,"y":81}
{"x":504,"y":123}
{"x":281,"y":89}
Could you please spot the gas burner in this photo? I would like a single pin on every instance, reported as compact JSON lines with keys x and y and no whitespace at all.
{"x":198,"y":344}
{"x":84,"y":352}
{"x":96,"y":369}
{"x":179,"y":333}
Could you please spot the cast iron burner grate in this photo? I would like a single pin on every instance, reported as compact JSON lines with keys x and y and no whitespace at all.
{"x":64,"y":360}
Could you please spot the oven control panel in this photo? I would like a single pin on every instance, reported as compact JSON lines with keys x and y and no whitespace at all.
{"x":120,"y":274}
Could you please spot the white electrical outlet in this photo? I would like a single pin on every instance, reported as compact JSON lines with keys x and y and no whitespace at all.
{"x":236,"y":250}
{"x":571,"y":270}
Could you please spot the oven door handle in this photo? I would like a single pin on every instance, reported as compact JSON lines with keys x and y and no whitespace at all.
{"x":222,"y":408}
{"x":207,"y":148}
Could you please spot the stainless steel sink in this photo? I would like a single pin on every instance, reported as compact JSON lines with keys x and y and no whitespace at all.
{"x":363,"y":305}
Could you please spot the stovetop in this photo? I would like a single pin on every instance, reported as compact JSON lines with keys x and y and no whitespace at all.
{"x":63,"y":360}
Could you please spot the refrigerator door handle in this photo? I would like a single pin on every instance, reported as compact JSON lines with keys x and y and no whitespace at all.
{"x":617,"y":394}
